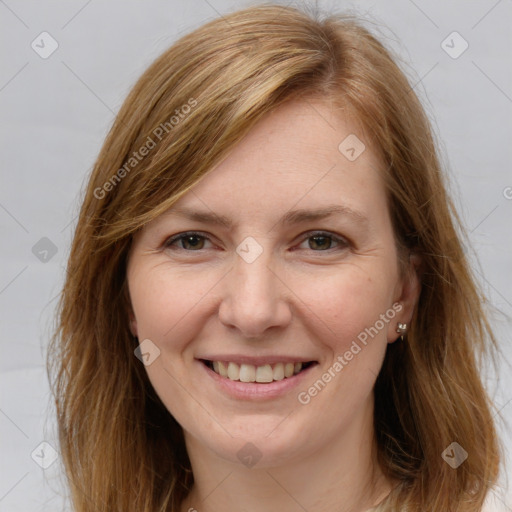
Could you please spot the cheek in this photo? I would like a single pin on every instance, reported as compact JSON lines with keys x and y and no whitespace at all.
{"x":164,"y":303}
{"x":350,"y":313}
{"x":344,"y":304}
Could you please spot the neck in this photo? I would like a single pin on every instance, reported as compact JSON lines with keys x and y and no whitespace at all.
{"x":343,"y":476}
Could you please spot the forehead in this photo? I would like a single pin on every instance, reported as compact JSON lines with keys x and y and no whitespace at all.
{"x":303,"y":154}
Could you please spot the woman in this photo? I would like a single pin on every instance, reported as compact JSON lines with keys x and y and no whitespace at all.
{"x":267,"y":306}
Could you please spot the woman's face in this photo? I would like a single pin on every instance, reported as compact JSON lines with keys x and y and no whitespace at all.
{"x":283,"y":254}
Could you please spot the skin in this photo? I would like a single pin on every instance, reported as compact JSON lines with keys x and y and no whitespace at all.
{"x":302,"y":296}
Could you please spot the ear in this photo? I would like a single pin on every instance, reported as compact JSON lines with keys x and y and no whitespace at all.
{"x":133,"y":324}
{"x":128,"y":306}
{"x":406,"y":295}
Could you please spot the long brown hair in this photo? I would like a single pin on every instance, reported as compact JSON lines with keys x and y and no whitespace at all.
{"x":121,"y":448}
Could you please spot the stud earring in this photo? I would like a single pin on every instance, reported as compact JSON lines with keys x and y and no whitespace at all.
{"x":402,"y":328}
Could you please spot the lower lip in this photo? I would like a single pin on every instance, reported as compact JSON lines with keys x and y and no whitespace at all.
{"x":255,"y":390}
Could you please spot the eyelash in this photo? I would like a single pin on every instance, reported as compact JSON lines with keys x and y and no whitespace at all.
{"x":311,"y":234}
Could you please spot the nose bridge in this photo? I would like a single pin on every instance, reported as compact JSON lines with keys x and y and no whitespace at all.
{"x":252,"y":281}
{"x":253,"y":299}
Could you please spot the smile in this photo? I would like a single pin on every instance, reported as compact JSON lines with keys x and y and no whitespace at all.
{"x":265,"y":373}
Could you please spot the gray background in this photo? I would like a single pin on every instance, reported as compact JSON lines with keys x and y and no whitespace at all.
{"x":56,"y":113}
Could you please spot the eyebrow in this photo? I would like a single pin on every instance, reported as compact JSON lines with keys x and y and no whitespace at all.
{"x":289,"y":218}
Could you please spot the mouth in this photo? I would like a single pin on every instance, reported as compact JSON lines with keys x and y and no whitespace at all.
{"x":262,"y":374}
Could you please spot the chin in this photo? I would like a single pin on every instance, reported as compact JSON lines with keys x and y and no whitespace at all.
{"x":260,"y":442}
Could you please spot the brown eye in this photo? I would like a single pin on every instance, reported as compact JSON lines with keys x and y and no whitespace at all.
{"x":320,"y":242}
{"x":192,"y":242}
{"x":324,"y":241}
{"x":187,"y":242}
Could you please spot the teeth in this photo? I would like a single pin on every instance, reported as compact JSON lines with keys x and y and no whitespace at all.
{"x":247,"y":372}
{"x":251,"y":373}
{"x":279,"y":371}
{"x":223,"y":371}
{"x":233,"y":371}
{"x":264,"y":373}
{"x":288,"y":369}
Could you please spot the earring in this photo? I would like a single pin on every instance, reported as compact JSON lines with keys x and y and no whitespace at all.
{"x":402,"y":328}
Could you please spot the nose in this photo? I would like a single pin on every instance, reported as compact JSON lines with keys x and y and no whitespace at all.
{"x":254,"y":299}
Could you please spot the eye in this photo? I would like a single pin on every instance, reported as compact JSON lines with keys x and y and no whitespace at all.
{"x":190,"y":241}
{"x":322,"y":241}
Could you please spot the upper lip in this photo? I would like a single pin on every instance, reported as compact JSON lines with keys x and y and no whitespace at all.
{"x":256,"y":361}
